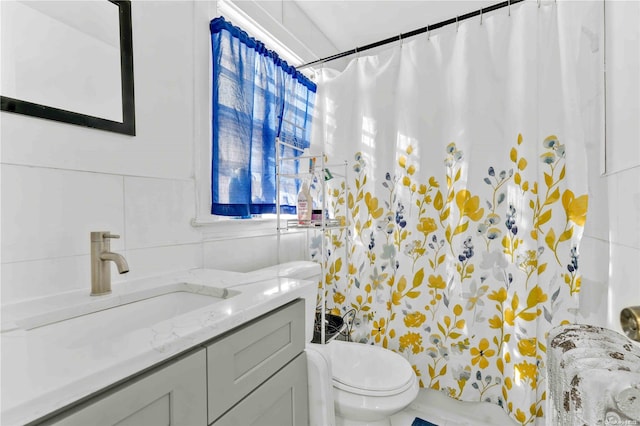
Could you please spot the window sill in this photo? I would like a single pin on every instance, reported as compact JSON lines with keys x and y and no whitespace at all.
{"x":218,"y":228}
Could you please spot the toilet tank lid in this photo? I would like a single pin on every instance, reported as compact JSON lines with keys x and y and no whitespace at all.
{"x":301,"y":269}
{"x":370,"y":368}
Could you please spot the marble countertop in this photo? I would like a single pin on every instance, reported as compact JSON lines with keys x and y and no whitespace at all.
{"x":44,"y":369}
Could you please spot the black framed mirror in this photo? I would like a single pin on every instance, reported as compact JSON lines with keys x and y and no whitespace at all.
{"x":69,"y":61}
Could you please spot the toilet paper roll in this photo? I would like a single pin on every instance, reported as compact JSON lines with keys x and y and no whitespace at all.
{"x":630,"y":321}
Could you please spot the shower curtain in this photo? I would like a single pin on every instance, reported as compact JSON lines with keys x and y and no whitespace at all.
{"x":465,"y":202}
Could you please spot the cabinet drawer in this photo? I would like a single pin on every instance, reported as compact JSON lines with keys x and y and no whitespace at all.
{"x":241,"y":361}
{"x":280,"y":401}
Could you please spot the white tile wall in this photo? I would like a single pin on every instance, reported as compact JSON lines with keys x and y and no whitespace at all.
{"x":624,"y":239}
{"x":594,"y":293}
{"x":46,"y":277}
{"x":610,"y":249}
{"x":149,"y":262}
{"x":623,"y":156}
{"x":597,"y":225}
{"x":163,"y":31}
{"x":48,"y":213}
{"x":624,"y":207}
{"x":158,"y":212}
{"x":623,"y":84}
{"x":624,"y":285}
{"x":246,"y":254}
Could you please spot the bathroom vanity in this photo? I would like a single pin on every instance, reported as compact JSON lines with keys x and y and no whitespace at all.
{"x":237,"y":361}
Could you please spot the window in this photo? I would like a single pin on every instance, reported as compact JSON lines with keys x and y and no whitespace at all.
{"x":256,"y":97}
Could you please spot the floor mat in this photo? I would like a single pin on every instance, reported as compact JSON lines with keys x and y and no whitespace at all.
{"x":420,"y":422}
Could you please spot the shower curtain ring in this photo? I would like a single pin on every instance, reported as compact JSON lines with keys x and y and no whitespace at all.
{"x":509,"y":4}
{"x":481,"y":10}
{"x":456,"y":23}
{"x":400,"y":40}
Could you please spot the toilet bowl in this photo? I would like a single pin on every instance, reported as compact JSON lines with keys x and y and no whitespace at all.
{"x":350,"y":384}
{"x":363,"y":393}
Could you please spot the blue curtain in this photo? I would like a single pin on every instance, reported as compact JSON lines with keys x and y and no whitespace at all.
{"x":256,"y":97}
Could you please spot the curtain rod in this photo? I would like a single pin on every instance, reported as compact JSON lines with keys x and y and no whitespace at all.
{"x":402,"y":36}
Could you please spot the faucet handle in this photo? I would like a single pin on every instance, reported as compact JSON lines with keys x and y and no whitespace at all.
{"x":100,"y":236}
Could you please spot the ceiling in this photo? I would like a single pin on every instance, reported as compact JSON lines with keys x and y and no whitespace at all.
{"x":354,"y":23}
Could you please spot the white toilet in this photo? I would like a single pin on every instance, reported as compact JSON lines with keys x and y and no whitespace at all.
{"x":350,"y":384}
{"x":368,"y":384}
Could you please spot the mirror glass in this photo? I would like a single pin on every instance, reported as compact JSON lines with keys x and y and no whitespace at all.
{"x":68,"y":61}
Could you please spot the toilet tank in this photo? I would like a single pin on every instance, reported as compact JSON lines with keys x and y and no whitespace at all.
{"x":321,"y":406}
{"x":301,"y":270}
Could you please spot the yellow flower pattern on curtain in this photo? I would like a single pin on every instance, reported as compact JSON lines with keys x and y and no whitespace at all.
{"x":464,"y":283}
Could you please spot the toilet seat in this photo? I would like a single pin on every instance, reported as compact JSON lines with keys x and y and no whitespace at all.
{"x":370,"y":370}
{"x":368,"y":392}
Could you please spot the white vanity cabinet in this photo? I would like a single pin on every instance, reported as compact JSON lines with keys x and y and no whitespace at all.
{"x":249,"y":361}
{"x":253,"y":374}
{"x":175,"y":394}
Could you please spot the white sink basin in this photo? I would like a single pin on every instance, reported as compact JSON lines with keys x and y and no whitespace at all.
{"x":115,"y":314}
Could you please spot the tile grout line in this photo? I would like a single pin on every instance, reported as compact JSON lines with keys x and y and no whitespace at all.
{"x":95,"y":172}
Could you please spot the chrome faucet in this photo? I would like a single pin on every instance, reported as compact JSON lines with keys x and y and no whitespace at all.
{"x":101,"y":255}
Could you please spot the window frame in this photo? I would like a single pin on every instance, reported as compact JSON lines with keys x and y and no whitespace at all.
{"x":216,"y":226}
